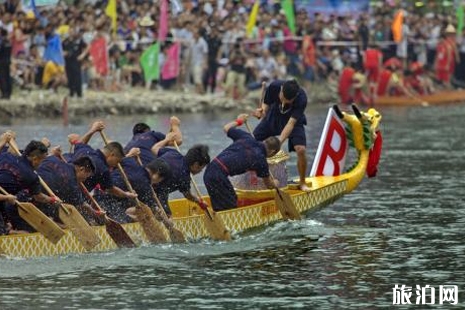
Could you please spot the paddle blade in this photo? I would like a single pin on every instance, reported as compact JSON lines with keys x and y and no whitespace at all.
{"x":216,"y":228}
{"x":152,"y":228}
{"x":286,"y":206}
{"x":176,"y":235}
{"x":40,"y":221}
{"x":78,"y":226}
{"x":118,"y":234}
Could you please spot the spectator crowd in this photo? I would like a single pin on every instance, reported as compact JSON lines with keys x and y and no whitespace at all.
{"x":207,"y":45}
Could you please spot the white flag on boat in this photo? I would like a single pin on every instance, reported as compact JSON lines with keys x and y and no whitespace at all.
{"x":332,"y":150}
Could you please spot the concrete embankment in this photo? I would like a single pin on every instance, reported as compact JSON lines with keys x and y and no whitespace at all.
{"x":40,"y":103}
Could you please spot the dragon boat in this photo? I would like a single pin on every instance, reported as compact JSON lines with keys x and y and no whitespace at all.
{"x":256,"y":206}
{"x":439,"y":98}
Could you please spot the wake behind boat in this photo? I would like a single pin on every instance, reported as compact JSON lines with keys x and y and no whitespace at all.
{"x":256,"y":207}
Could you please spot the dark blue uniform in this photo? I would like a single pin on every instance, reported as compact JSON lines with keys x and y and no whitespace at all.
{"x":140,"y":181}
{"x":145,"y":141}
{"x":102,"y":171}
{"x":276,"y":118}
{"x":244,"y":154}
{"x":17,"y":175}
{"x":179,"y":180}
{"x":61,"y":178}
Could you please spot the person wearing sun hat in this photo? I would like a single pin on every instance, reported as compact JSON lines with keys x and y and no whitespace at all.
{"x":446,"y":57}
{"x":146,"y":21}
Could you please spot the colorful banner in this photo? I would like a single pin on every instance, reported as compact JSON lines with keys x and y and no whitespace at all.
{"x":149,"y":62}
{"x":99,"y":54}
{"x":460,"y":18}
{"x":110,"y":11}
{"x":397,"y":24}
{"x":163,"y":26}
{"x":170,"y":68}
{"x":288,"y":8}
{"x":54,"y":51}
{"x":28,"y":3}
{"x":333,"y":6}
{"x":333,"y":147}
{"x":252,"y":18}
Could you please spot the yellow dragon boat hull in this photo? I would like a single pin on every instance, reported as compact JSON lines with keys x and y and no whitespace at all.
{"x":188,"y":218}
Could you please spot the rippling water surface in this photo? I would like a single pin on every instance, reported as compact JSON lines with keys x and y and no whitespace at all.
{"x":406,"y":226}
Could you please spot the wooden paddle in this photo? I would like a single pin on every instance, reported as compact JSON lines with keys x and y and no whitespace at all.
{"x":113,"y":228}
{"x":73,"y":220}
{"x":213,"y":223}
{"x":176,"y":235}
{"x":34,"y":217}
{"x":152,"y":228}
{"x":282,"y":199}
{"x":71,"y":217}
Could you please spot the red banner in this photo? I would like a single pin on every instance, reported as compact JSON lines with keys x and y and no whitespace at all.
{"x":332,"y":149}
{"x":99,"y":54}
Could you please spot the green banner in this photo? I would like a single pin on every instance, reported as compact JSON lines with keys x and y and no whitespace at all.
{"x":149,"y":62}
{"x":288,"y":8}
{"x":460,"y":18}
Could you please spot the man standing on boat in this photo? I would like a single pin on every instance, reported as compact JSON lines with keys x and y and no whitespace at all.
{"x":282,"y":113}
{"x":244,"y":154}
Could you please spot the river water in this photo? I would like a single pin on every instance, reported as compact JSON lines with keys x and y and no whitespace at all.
{"x":404,"y":227}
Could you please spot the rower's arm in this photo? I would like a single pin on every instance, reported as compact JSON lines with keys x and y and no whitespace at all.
{"x":118,"y":192}
{"x":241,"y":119}
{"x":96,"y":126}
{"x":175,"y":124}
{"x":189,"y":196}
{"x":170,"y":137}
{"x":287,"y":130}
{"x":43,"y":198}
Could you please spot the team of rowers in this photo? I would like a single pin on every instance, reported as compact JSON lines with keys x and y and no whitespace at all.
{"x":149,"y":161}
{"x":394,"y":78}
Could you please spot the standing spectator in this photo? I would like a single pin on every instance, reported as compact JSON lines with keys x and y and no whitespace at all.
{"x":363,"y":37}
{"x":372,"y":63}
{"x":309,"y":59}
{"x":198,"y":62}
{"x":74,"y":50}
{"x":236,"y":76}
{"x":214,"y":53}
{"x":460,"y":69}
{"x":5,"y":61}
{"x":266,"y":67}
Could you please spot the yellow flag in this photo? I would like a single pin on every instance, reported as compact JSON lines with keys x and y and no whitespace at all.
{"x":110,"y":10}
{"x":252,"y":17}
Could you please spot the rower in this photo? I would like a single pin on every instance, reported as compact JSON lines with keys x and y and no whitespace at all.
{"x":63,"y":179}
{"x":244,"y":154}
{"x":144,"y":138}
{"x":141,"y":179}
{"x":104,"y":159}
{"x":282,"y":113}
{"x":17,"y":177}
{"x":181,"y":166}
